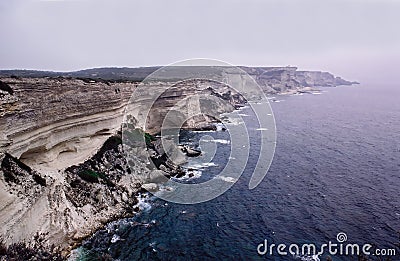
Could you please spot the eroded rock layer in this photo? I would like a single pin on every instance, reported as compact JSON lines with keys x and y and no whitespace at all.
{"x":57,"y":122}
{"x":62,"y":171}
{"x":47,"y":125}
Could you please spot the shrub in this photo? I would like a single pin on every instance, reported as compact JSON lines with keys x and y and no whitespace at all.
{"x":90,"y":175}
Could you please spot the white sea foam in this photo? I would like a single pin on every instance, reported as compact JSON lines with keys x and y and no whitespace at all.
{"x":203,"y":131}
{"x":166,"y":188}
{"x":143,"y":203}
{"x":232,"y":119}
{"x":220,"y":126}
{"x":153,"y":246}
{"x":221,"y":141}
{"x":227,"y":179}
{"x":234,"y":122}
{"x":261,"y":129}
{"x":242,"y":108}
{"x":200,"y":166}
{"x":151,"y":223}
{"x":209,"y":164}
{"x":192,"y":174}
{"x":115,"y":238}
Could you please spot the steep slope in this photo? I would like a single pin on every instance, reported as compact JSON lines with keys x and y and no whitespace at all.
{"x":54,"y":123}
{"x":62,"y":169}
{"x":63,"y":173}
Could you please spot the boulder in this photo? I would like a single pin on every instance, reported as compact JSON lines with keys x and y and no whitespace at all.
{"x":157,"y":176}
{"x":151,"y":187}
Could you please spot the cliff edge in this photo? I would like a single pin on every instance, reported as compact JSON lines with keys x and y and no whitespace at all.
{"x":62,"y":170}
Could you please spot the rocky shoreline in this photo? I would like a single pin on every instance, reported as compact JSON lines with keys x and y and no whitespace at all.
{"x":63,"y":171}
{"x":98,"y":191}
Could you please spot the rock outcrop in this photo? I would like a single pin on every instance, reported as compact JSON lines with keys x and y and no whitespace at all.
{"x":54,"y":123}
{"x":275,"y":80}
{"x":192,"y":104}
{"x":68,"y":206}
{"x":47,"y":125}
{"x":272,"y":79}
{"x":63,"y":173}
{"x":62,"y":170}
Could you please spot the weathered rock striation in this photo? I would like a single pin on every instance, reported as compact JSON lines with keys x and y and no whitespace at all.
{"x":271,"y":79}
{"x":56,"y":122}
{"x":54,"y":180}
{"x":47,"y":125}
{"x":275,"y":80}
{"x":62,"y":170}
{"x":190,"y":104}
{"x":69,"y":206}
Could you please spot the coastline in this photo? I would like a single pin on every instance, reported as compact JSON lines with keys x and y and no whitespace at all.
{"x":73,"y":217}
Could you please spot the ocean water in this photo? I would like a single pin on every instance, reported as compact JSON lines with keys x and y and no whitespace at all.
{"x":336,"y":170}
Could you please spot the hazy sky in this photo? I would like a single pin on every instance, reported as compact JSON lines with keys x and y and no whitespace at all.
{"x":356,"y":39}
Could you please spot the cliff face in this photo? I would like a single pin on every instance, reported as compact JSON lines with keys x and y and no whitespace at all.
{"x":54,"y":180}
{"x":319,"y":79}
{"x":47,"y":125}
{"x":192,"y":104}
{"x":66,"y":207}
{"x":275,"y":80}
{"x":54,"y":123}
{"x":272,"y":79}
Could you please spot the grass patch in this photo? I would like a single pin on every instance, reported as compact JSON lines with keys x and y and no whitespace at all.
{"x":94,"y":177}
{"x":91,"y":176}
{"x":149,"y":138}
{"x":137,"y":136}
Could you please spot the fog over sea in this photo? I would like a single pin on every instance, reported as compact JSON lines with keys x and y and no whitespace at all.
{"x":336,"y":169}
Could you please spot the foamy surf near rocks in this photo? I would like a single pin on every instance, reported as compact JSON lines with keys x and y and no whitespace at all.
{"x":63,"y":173}
{"x":62,"y":170}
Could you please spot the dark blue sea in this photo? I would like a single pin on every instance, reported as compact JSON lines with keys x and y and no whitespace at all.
{"x":336,"y":170}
